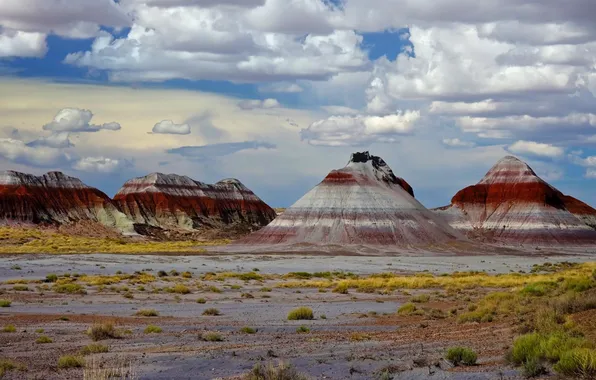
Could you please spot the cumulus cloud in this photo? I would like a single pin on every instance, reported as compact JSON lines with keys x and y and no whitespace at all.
{"x":16,"y":43}
{"x":72,"y":19}
{"x":217,"y":150}
{"x":99,"y":164}
{"x":340,"y":110}
{"x":58,"y":140}
{"x":536,"y":149}
{"x":169,"y":127}
{"x":360,"y":130}
{"x":255,"y":103}
{"x":77,"y":120}
{"x":457,"y":143}
{"x":39,"y":156}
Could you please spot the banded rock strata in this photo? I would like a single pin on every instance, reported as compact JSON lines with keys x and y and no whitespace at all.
{"x":364,"y":203}
{"x":171,"y":201}
{"x":512,"y":204}
{"x":55,"y":198}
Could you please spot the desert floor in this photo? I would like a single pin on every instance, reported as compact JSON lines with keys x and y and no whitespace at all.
{"x":356,"y":331}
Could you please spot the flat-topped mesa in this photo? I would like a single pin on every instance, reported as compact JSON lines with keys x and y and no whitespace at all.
{"x":512,"y":204}
{"x":363,"y":203}
{"x":171,"y":201}
{"x":55,"y":198}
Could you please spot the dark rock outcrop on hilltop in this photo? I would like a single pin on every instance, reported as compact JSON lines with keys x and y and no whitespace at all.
{"x":55,"y":198}
{"x":174,"y":202}
{"x":512,"y":204}
{"x":363,"y":203}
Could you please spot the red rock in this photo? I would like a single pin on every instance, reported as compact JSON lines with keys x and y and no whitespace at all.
{"x":364,"y":204}
{"x":512,"y":204}
{"x":172,"y":201}
{"x":55,"y":198}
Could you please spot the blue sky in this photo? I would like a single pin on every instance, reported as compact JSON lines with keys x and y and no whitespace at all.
{"x":440,"y":91}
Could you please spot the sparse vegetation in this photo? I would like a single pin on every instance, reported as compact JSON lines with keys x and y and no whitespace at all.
{"x":301,"y":313}
{"x":94,"y":348}
{"x":302,"y":330}
{"x":461,"y":355}
{"x":406,"y":309}
{"x":5,"y":303}
{"x":102,"y":331}
{"x":7,"y":365}
{"x":51,"y":278}
{"x":201,"y":300}
{"x":421,"y":298}
{"x":147,"y":313}
{"x":70,"y":361}
{"x":9,"y":329}
{"x":211,"y":312}
{"x":271,"y":372}
{"x":248,"y":330}
{"x":152,"y":329}
{"x":69,"y":288}
{"x":43,"y":339}
{"x":212,"y":337}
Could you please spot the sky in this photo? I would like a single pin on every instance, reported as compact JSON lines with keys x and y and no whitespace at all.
{"x":277,"y":93}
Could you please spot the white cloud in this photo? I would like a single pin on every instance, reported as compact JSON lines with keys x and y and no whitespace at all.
{"x":281,"y":87}
{"x":38,"y":156}
{"x":360,"y":130}
{"x":72,"y":19}
{"x":455,"y":142}
{"x":255,"y":103}
{"x":77,"y":120}
{"x":58,"y":140}
{"x":590,"y":173}
{"x":535,"y":148}
{"x":169,"y":127}
{"x":340,"y":110}
{"x":98,"y":164}
{"x":15,"y":43}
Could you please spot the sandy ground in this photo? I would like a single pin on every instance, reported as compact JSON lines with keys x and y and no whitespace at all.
{"x":360,"y":336}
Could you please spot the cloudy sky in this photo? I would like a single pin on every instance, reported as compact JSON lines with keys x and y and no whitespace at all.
{"x":278,"y":92}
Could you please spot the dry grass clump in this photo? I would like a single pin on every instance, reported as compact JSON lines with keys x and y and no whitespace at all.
{"x":94,"y":348}
{"x":9,"y":329}
{"x":212,"y":312}
{"x":407,"y":309}
{"x":302,"y":330}
{"x":147,"y":313}
{"x":301,"y":313}
{"x":248,"y":330}
{"x":113,"y":369}
{"x":43,"y":339}
{"x":152,"y":329}
{"x":5,"y":303}
{"x":272,"y":372}
{"x":179,"y":289}
{"x":7,"y":365}
{"x":103,"y":331}
{"x":70,"y":361}
{"x":212,"y":337}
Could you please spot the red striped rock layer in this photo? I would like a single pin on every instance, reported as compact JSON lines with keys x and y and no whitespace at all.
{"x":512,"y":204}
{"x":362,"y":204}
{"x":173,"y":201}
{"x":57,"y":199}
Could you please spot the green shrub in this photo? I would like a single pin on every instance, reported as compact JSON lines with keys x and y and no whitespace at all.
{"x":51,"y":278}
{"x":525,"y":347}
{"x":461,"y":355}
{"x":5,"y":303}
{"x":250,"y":276}
{"x":341,"y":288}
{"x":301,"y":313}
{"x":152,"y":329}
{"x":212,"y":312}
{"x":578,"y":284}
{"x":533,"y":367}
{"x":94,"y":348}
{"x":102,"y":331}
{"x":578,"y":363}
{"x":70,"y":361}
{"x":9,"y":329}
{"x":302,"y":330}
{"x":147,"y":313}
{"x":201,"y":300}
{"x":43,"y":339}
{"x":406,"y":309}
{"x":248,"y":330}
{"x":20,"y":288}
{"x":161,"y":273}
{"x":539,"y":289}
